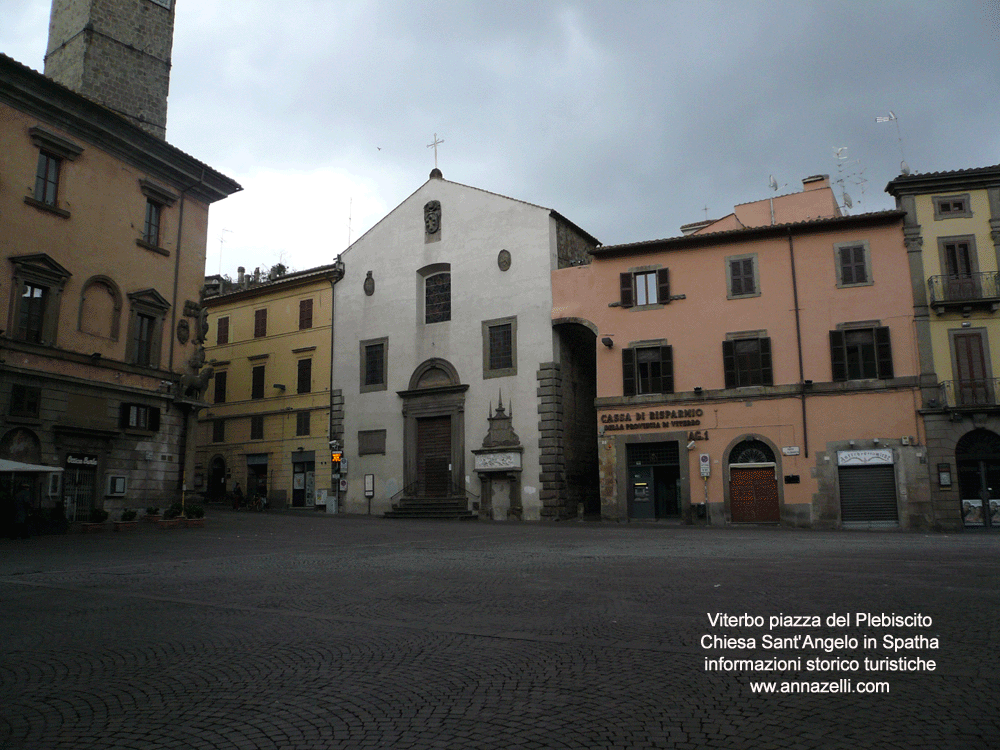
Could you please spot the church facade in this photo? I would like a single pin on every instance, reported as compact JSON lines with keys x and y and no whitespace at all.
{"x":454,"y":392}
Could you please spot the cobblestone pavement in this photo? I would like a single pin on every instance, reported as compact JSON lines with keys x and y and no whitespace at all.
{"x":291,"y":631}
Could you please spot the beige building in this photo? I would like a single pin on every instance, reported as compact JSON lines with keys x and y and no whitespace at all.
{"x":102,"y":236}
{"x":952,"y":232}
{"x":268,"y":424}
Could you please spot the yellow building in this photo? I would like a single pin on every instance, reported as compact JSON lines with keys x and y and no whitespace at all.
{"x":102,"y":235}
{"x":952,"y":232}
{"x":268,"y":425}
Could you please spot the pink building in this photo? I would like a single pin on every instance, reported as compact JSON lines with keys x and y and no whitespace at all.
{"x":763,"y":373}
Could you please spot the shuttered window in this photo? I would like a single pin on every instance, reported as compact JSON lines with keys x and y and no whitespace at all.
{"x":305,"y":313}
{"x":222,"y":331}
{"x":861,"y":353}
{"x":305,"y":376}
{"x":645,"y":288}
{"x":747,"y":362}
{"x":647,"y":369}
{"x":260,"y":324}
{"x":257,"y":382}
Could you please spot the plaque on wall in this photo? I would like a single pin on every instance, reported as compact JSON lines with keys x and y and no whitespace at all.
{"x":507,"y":461}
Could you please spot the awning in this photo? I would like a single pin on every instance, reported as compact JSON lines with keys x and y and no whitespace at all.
{"x":17,"y":466}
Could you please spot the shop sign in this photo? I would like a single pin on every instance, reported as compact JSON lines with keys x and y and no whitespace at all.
{"x":876,"y":457}
{"x":79,"y":459}
{"x":654,"y":419}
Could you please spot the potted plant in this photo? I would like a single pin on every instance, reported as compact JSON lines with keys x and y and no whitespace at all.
{"x":195,"y":516}
{"x":171,"y":517}
{"x":152,"y":514}
{"x":127,"y":521}
{"x":96,"y":524}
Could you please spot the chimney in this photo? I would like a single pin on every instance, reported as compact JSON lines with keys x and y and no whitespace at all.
{"x":241,"y":274}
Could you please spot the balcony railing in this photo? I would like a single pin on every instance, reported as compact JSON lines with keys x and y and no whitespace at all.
{"x":957,"y":393}
{"x":964,"y":289}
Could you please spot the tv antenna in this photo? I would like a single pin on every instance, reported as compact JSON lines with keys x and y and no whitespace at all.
{"x":773,"y":184}
{"x":848,"y":175}
{"x":903,"y":166}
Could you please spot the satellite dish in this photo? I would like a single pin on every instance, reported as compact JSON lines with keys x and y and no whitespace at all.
{"x":847,"y":200}
{"x":773,"y":183}
{"x":904,"y":167}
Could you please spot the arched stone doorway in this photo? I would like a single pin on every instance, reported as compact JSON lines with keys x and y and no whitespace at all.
{"x":977,"y":456}
{"x":434,"y":431}
{"x":753,"y":483}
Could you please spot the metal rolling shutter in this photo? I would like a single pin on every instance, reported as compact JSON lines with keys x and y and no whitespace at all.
{"x":868,"y":497}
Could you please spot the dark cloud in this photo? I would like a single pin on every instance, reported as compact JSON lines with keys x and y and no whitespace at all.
{"x":629,"y":118}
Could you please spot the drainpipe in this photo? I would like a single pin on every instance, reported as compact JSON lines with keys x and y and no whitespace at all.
{"x":798,"y":341}
{"x":338,"y":274}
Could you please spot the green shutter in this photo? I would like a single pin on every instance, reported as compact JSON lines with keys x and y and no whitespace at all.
{"x":766,"y":370}
{"x":663,"y":286}
{"x":838,"y":356}
{"x":883,"y":352}
{"x":667,"y":369}
{"x":729,"y":363}
{"x":625,"y":281}
{"x":628,"y":372}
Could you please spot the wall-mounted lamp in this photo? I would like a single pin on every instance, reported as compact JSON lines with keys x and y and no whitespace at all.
{"x":279,"y":386}
{"x":875,"y":441}
{"x":691,"y":445}
{"x":850,"y":443}
{"x":807,"y":383}
{"x":608,"y":342}
{"x":95,"y":356}
{"x":966,"y":324}
{"x":697,"y":389}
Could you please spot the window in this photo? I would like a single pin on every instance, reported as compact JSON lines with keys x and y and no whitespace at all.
{"x":374,"y":357}
{"x":257,"y":427}
{"x":139,"y":417}
{"x":47,"y":179}
{"x":742,"y":278}
{"x":32,"y":313}
{"x":257,"y":382}
{"x":220,"y":386}
{"x":218,"y":431}
{"x":25,"y":401}
{"x":222,"y":331}
{"x":958,"y":257}
{"x":648,"y":369}
{"x":747,"y":361}
{"x":302,"y":423}
{"x":860,"y":353}
{"x":305,"y":376}
{"x":371,"y":442}
{"x":36,"y":289}
{"x":853,"y":261}
{"x":151,"y":228}
{"x":437,"y":306}
{"x":148,"y":311}
{"x":952,"y":207}
{"x":499,"y":347}
{"x":305,"y":313}
{"x":53,"y":150}
{"x":260,"y":323}
{"x":143,"y":331}
{"x":645,"y":287}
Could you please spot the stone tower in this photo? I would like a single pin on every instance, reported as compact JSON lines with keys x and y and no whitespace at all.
{"x":116,"y":53}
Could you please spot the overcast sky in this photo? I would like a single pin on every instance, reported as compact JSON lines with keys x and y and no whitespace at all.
{"x":629,"y":118}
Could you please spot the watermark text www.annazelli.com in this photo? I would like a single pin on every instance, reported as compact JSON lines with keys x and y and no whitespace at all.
{"x":850,"y":651}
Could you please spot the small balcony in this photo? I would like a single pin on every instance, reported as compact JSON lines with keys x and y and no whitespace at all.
{"x":965,"y":292}
{"x":969,"y":393}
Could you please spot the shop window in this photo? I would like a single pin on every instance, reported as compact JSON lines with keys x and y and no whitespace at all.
{"x":861,"y":353}
{"x":747,"y":362}
{"x":647,"y":369}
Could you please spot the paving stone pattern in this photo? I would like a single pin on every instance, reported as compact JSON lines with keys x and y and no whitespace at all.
{"x":298,"y":631}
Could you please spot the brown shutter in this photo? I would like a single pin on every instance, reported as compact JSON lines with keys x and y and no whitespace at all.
{"x":883,"y":352}
{"x":663,"y":286}
{"x":729,"y":363}
{"x":627,"y":296}
{"x":838,"y":356}
{"x":766,"y":370}
{"x":305,"y":313}
{"x":667,"y":369}
{"x":628,"y":372}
